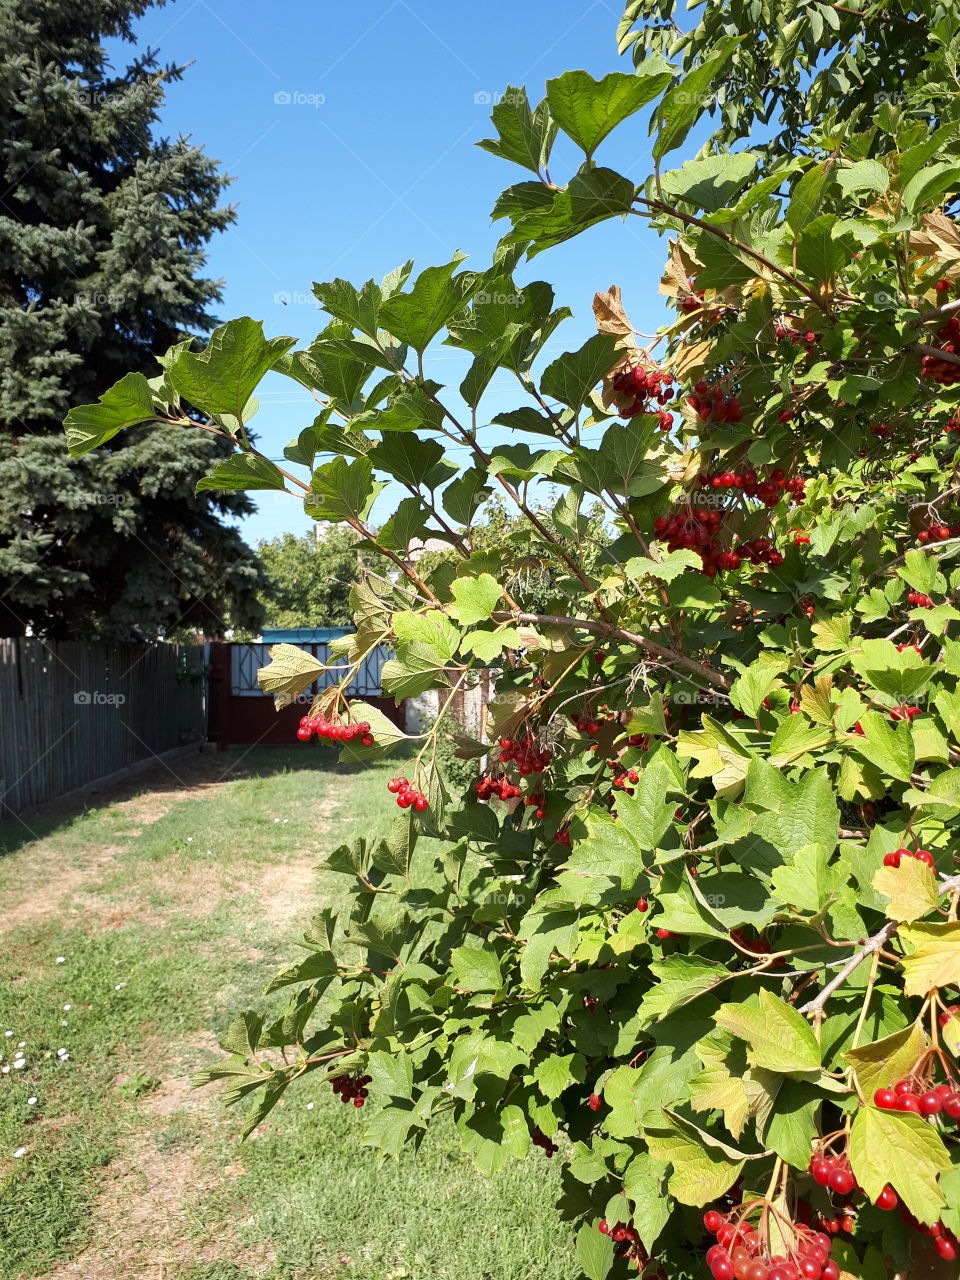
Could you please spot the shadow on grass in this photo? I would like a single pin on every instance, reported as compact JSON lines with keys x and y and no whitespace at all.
{"x":206,"y":769}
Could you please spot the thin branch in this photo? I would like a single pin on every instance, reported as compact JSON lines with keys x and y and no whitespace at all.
{"x":668,"y":656}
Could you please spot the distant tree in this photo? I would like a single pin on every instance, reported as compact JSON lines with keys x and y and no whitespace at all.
{"x":308,"y":579}
{"x":103,"y":229}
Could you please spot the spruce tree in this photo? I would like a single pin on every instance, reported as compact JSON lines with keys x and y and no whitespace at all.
{"x":103,"y":229}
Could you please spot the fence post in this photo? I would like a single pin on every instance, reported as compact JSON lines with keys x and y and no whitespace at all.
{"x":220,"y":694}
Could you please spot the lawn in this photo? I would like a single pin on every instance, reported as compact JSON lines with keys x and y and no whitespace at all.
{"x":129,"y":936}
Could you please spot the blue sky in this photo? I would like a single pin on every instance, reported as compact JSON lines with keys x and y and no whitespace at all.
{"x":350,"y":132}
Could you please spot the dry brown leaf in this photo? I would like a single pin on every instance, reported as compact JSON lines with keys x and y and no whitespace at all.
{"x":938,"y":237}
{"x":681,"y":267}
{"x":610,"y":315}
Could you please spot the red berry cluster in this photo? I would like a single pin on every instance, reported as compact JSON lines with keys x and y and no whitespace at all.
{"x":944,"y":371}
{"x":922,"y":855}
{"x":541,"y":1140}
{"x":635,"y":386}
{"x":713,"y":404}
{"x":525,"y":753}
{"x":351,"y":1088}
{"x":787,"y":333}
{"x":904,"y":712}
{"x":739,"y":1253}
{"x":920,"y":599}
{"x":953,"y":425}
{"x":937,"y":532}
{"x":324,"y":728}
{"x":834,"y":1172}
{"x":694,"y":300}
{"x":407,"y":795}
{"x":696,"y":530}
{"x":758,"y":946}
{"x":627,"y":1238}
{"x":496,"y":786}
{"x":920,"y":1098}
{"x":769,"y":489}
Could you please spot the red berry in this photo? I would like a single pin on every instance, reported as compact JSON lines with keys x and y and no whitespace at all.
{"x":930,"y":1104}
{"x":594,"y":1102}
{"x":909,"y":1102}
{"x":842,"y":1181}
{"x":643,"y":905}
{"x":713,"y":1221}
{"x":885,"y":1099}
{"x":887,"y":1199}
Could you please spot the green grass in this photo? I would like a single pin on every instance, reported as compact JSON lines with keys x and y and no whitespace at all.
{"x":163,"y":942}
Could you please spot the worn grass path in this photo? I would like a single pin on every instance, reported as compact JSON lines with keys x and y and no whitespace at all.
{"x":129,"y":936}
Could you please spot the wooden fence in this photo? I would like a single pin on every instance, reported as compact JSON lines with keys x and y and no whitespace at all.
{"x":75,"y":712}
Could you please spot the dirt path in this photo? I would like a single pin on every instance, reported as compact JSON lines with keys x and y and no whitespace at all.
{"x":145,"y":1222}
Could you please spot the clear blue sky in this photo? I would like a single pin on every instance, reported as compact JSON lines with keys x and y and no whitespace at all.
{"x":350,"y":131}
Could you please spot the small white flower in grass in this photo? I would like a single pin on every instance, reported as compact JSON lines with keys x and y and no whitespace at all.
{"x":67,"y":1008}
{"x":189,"y":839}
{"x":19,"y":1153}
{"x":5,"y":1070}
{"x":309,"y":1106}
{"x":276,"y":819}
{"x":63,"y":1022}
{"x":8,"y":1033}
{"x":63,"y":1055}
{"x":19,"y":1064}
{"x":119,"y":986}
{"x":21,"y":1044}
{"x":286,"y":819}
{"x":31,"y":1102}
{"x":61,"y":959}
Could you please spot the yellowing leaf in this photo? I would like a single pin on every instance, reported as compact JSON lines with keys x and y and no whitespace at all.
{"x":883,"y":1063}
{"x":911,"y":888}
{"x":902,"y":1150}
{"x":935,"y":959}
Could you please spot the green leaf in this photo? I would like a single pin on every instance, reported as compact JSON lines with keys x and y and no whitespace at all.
{"x":476,"y":969}
{"x":557,"y":1072}
{"x":701,"y":1172}
{"x":680,"y":979}
{"x":643,"y":1186}
{"x":807,"y":196}
{"x":221,"y":379}
{"x":683,"y":105}
{"x":243,"y":471}
{"x":902,"y":1150}
{"x":127,"y":403}
{"x":474,"y":598}
{"x":392,"y":1073}
{"x":342,"y":490}
{"x":778,"y":1037}
{"x":750,"y":689}
{"x":289,"y":672}
{"x":488,"y":645}
{"x":525,"y":136}
{"x":864,"y":175}
{"x":888,"y":746}
{"x":587,"y":109}
{"x":807,"y":881}
{"x":437,"y":294}
{"x":594,"y":1252}
{"x":573,"y":376}
{"x":793,"y":1123}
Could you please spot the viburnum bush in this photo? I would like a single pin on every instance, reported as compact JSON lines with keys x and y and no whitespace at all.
{"x":693,"y":928}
